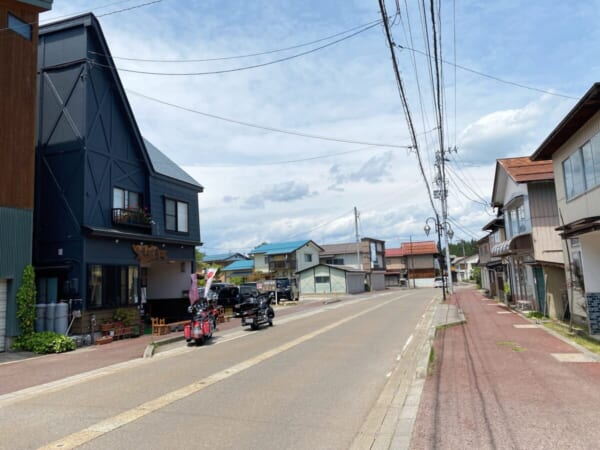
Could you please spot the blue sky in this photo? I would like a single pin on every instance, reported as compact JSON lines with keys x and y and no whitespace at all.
{"x":265,"y":186}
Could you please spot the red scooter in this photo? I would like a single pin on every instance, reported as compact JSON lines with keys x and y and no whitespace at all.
{"x":201,"y":325}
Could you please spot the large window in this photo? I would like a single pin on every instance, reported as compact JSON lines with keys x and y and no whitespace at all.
{"x":112,"y":286}
{"x":176,"y":215}
{"x":125,"y":199}
{"x":582,"y":169}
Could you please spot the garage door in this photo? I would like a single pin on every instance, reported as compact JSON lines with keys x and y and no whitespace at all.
{"x":2,"y":314}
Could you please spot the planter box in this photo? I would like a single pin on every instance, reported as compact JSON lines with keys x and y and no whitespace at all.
{"x":104,"y":340}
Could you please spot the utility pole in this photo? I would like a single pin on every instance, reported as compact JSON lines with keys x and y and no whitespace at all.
{"x":358,"y":261}
{"x":443,"y":196}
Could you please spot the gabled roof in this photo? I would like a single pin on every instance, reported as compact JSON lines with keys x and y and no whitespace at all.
{"x":243,"y":264}
{"x":281,"y":248}
{"x":573,"y":121}
{"x":158,"y":163}
{"x":332,"y":266}
{"x":520,"y":170}
{"x":413,"y":248}
{"x":165,"y":166}
{"x":524,"y":170}
{"x":224,"y":257}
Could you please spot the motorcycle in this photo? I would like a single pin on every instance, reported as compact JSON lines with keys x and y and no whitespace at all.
{"x":255,"y":311}
{"x":201,"y":324}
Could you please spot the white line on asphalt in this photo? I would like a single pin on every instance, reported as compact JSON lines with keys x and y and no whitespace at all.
{"x":112,"y":423}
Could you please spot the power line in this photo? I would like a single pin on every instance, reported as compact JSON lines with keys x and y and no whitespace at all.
{"x":226,"y":58}
{"x":524,"y":86}
{"x":266,"y":128}
{"x":404,"y":100}
{"x":130,"y":8}
{"x":239,"y":69}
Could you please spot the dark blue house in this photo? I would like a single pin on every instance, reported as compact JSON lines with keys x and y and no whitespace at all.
{"x":116,"y":222}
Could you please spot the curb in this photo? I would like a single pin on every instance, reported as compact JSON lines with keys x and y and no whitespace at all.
{"x":151,"y":347}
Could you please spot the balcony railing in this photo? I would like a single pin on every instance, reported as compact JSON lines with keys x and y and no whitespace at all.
{"x":282,"y":265}
{"x":134,"y":217}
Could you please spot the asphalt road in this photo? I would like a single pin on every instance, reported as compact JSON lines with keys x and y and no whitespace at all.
{"x":311,"y":381}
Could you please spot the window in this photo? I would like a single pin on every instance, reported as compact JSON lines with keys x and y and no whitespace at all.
{"x":321,"y":279}
{"x":335,"y":261}
{"x":20,"y":27}
{"x":112,"y":286}
{"x":124,"y":199}
{"x":176,"y":216}
{"x":307,"y":257}
{"x":581,"y":170}
{"x":517,"y":221}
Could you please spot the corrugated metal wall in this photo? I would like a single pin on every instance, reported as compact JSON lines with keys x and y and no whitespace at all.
{"x":16,"y":228}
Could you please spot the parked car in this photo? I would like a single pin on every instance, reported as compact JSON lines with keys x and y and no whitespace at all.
{"x":438,"y":282}
{"x":223,"y":294}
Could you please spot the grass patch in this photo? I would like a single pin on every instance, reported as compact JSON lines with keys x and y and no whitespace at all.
{"x":578,"y":337}
{"x":430,"y":366}
{"x":513,"y":346}
{"x":536,"y":315}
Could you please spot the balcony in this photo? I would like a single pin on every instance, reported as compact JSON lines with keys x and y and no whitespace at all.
{"x":282,"y":265}
{"x":132,"y":217}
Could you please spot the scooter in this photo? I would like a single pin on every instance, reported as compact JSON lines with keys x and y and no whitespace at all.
{"x":201,"y":325}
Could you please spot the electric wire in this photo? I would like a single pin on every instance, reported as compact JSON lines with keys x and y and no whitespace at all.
{"x":263,"y":127}
{"x":243,"y":68}
{"x":404,"y":100}
{"x":227,"y":58}
{"x":492,"y":77}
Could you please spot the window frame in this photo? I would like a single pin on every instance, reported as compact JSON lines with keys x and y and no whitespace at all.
{"x":581,"y":169}
{"x":176,"y":221}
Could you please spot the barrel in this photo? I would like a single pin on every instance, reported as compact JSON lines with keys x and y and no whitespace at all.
{"x":61,"y":323}
{"x":50,"y":316}
{"x":40,"y":317}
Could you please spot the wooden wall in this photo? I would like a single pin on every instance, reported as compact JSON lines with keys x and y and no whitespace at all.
{"x":18,"y":66}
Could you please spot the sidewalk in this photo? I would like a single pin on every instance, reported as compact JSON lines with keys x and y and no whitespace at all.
{"x":500,"y":381}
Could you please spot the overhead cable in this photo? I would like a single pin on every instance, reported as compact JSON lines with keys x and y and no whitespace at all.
{"x":524,"y":86}
{"x":266,"y":128}
{"x":226,"y":58}
{"x":253,"y":66}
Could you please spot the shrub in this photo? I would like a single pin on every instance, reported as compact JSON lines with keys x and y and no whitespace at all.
{"x":44,"y":342}
{"x":26,"y":301}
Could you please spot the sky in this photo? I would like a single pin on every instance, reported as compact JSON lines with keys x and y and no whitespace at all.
{"x":288,"y":143}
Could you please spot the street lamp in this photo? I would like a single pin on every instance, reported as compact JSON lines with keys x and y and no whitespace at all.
{"x":439,"y":227}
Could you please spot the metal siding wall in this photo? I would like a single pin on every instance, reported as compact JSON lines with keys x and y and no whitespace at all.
{"x":3,"y":302}
{"x":544,"y":220}
{"x":16,"y":227}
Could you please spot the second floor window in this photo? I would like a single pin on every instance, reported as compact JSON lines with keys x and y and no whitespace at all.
{"x":517,"y":220}
{"x":176,"y":216}
{"x":125,"y":199}
{"x":307,"y":257}
{"x":581,"y":170}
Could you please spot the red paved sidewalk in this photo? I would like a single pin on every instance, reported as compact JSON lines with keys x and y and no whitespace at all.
{"x":497,"y":386}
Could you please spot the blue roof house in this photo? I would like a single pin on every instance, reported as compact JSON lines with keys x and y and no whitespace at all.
{"x":116,"y":222}
{"x":284,"y":259}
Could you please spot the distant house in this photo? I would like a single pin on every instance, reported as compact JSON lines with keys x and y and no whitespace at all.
{"x":532,"y":252}
{"x":331,"y":279}
{"x":18,"y":60}
{"x":495,"y":267}
{"x":224,"y":259}
{"x":368,"y":256}
{"x":573,"y":148}
{"x":284,"y":259}
{"x":483,"y":253}
{"x":464,"y":267}
{"x":116,"y":221}
{"x":416,"y":262}
{"x":243,"y":269}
